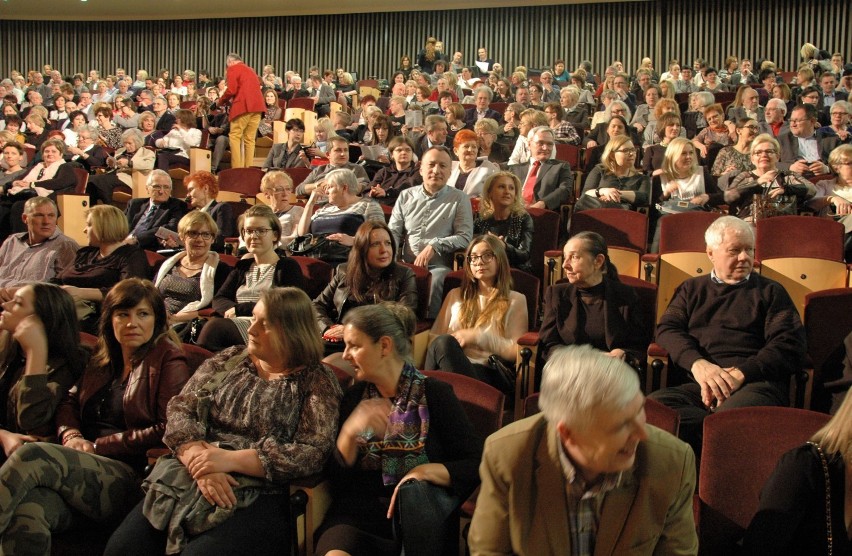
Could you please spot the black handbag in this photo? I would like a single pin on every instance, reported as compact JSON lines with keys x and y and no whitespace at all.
{"x":426,"y":519}
{"x":308,"y":245}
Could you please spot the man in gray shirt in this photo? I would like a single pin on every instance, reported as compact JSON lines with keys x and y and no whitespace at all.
{"x":431,"y":222}
{"x":38,"y":254}
{"x":338,"y":158}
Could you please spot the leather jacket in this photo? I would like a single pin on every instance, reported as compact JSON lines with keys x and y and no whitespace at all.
{"x":150,"y":386}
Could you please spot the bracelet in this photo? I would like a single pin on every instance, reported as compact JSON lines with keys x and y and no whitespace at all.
{"x":71,"y":436}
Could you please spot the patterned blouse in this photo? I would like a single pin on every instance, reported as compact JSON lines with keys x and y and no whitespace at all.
{"x":290,"y":421}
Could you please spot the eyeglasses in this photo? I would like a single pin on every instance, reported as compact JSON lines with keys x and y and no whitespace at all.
{"x":256,"y":232}
{"x":751,"y":127}
{"x":844,"y":163}
{"x":767,"y":152}
{"x":206,"y":236}
{"x":160,"y":187}
{"x":628,"y":152}
{"x":276,"y":190}
{"x":799,"y":121}
{"x":484,"y":258}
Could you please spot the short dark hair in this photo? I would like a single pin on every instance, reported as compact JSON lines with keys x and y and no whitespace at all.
{"x":294,"y":123}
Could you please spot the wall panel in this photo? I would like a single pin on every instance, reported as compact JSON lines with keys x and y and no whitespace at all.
{"x":372,"y":43}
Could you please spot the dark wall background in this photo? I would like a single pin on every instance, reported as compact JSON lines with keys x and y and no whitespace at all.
{"x":372,"y":43}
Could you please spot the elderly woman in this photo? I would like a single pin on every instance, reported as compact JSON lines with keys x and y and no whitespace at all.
{"x":132,"y":156}
{"x":645,"y":113}
{"x":106,"y":261}
{"x":512,"y":122}
{"x":782,"y":192}
{"x":229,"y":451}
{"x":835,"y":195}
{"x":564,"y":131}
{"x":109,"y":134}
{"x":599,"y":135}
{"x":179,"y":140}
{"x":401,"y":174}
{"x":188,"y":280}
{"x":40,"y":358}
{"x":804,"y":506}
{"x":277,"y":188}
{"x":469,"y":172}
{"x":202,"y":188}
{"x":337,"y":222}
{"x":718,"y":131}
{"x":502,"y":214}
{"x":593,"y":307}
{"x":615,"y":183}
{"x":390,"y":400}
{"x":487,"y":131}
{"x":736,"y":159}
{"x":481,"y":319}
{"x":106,"y":423}
{"x":573,"y":112}
{"x":371,"y":275}
{"x":693,"y":119}
{"x":840,"y":113}
{"x":147,"y":126}
{"x":37,"y":130}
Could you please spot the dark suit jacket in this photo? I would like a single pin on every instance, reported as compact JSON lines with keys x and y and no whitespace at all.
{"x":421,"y":145}
{"x":790,"y":148}
{"x":168,"y":215}
{"x":166,"y":122}
{"x":470,"y":116}
{"x":223,"y":215}
{"x":625,"y":326}
{"x":766,"y":128}
{"x":739,"y":113}
{"x":97,"y":159}
{"x":554,"y":184}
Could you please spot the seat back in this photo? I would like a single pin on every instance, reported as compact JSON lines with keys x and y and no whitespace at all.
{"x":739,"y":452}
{"x":546,"y":225}
{"x":673,"y":270}
{"x":155,"y":261}
{"x":647,"y":294}
{"x":799,"y":236}
{"x":317,"y":274}
{"x":620,"y":228}
{"x":298,"y":175}
{"x":801,"y":276}
{"x":82,"y":180}
{"x":828,"y":320}
{"x":572,"y":154}
{"x":423,"y":279}
{"x":685,"y":231}
{"x":240,"y":183}
{"x":305,"y":103}
{"x":483,"y":404}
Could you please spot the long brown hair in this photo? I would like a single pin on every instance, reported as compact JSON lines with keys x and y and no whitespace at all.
{"x":496,"y":306}
{"x":363,"y":284}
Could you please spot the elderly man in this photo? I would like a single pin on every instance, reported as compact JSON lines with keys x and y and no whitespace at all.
{"x":774,"y":113}
{"x":323,"y":96}
{"x":750,"y":109}
{"x":38,"y":254}
{"x":431,"y":222}
{"x":734,"y":336}
{"x":146,"y":216}
{"x":338,"y":158}
{"x":165,"y":119}
{"x":546,"y":183}
{"x":549,"y":89}
{"x":247,"y":105}
{"x":587,"y":475}
{"x":803,"y":150}
{"x":483,"y":98}
{"x":436,"y":134}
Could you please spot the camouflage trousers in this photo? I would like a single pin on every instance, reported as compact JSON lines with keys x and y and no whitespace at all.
{"x":42,"y":485}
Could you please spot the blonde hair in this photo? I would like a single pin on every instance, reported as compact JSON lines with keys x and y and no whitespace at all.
{"x":108,"y":223}
{"x":486,"y":208}
{"x":673,"y":152}
{"x":836,"y":436}
{"x":196,"y":218}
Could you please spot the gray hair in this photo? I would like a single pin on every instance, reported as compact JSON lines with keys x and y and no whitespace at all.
{"x":344,"y":177}
{"x":34,"y":202}
{"x":779,"y":104}
{"x":580,"y":381}
{"x":608,"y":111}
{"x":85,"y":130}
{"x":133,"y":135}
{"x":540,"y":129}
{"x":157,"y":174}
{"x":841,"y":104}
{"x":715,"y":233}
{"x":484,"y":89}
{"x":706,"y":98}
{"x":433,"y":120}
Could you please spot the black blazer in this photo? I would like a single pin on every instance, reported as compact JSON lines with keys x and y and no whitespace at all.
{"x":625,"y":324}
{"x":166,"y":122}
{"x":167,"y":214}
{"x":470,"y":116}
{"x":223,"y":214}
{"x":287,"y":273}
{"x":97,"y":159}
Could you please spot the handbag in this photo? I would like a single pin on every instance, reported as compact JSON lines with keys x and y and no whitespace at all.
{"x":677,"y":206}
{"x":507,"y":374}
{"x":764,"y":206}
{"x":308,"y":245}
{"x":824,"y":462}
{"x":426,"y":519}
{"x":587,"y":202}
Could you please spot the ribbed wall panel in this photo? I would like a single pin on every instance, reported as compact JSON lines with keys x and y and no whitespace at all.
{"x":372,"y":43}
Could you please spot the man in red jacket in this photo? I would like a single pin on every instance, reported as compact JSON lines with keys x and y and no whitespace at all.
{"x":247,"y":106}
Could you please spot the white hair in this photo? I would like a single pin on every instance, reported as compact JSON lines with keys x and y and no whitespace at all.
{"x":715,"y":233}
{"x":580,"y":381}
{"x":778,"y":103}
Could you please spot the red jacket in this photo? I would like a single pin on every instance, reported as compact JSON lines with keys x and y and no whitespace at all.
{"x":243,"y":92}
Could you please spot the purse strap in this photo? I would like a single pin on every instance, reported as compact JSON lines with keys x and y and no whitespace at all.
{"x":824,"y":463}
